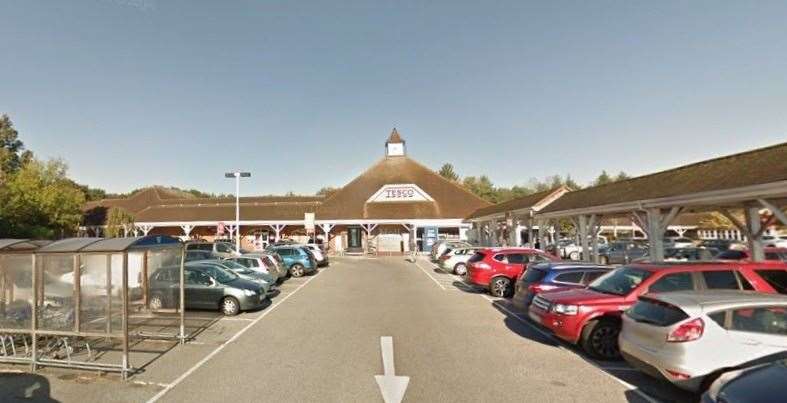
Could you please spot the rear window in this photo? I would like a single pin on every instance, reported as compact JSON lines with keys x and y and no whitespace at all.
{"x":533,"y":275}
{"x":477,"y":257}
{"x":656,"y":313}
{"x":775,"y":278}
{"x":720,"y":280}
{"x":571,"y":278}
{"x":732,"y":255}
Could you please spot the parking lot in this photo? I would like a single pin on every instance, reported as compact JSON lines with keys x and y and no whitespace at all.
{"x":319,"y":340}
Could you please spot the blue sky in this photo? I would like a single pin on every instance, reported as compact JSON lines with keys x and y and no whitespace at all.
{"x":303,"y":94}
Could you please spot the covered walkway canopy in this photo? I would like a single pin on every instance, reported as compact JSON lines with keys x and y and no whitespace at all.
{"x":753,"y":181}
{"x":61,"y":302}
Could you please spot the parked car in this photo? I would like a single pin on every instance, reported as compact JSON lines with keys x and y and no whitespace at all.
{"x":622,"y":252}
{"x":691,"y":338}
{"x":265,"y":280}
{"x":553,"y":276}
{"x":721,"y":244}
{"x":455,"y":260}
{"x":320,"y":256}
{"x":762,"y":383}
{"x":590,"y":317}
{"x":440,"y":246}
{"x":770,"y":254}
{"x":262,"y":262}
{"x":206,"y":287}
{"x":195,"y":254}
{"x":569,"y":249}
{"x":774,"y":241}
{"x":496,"y":269}
{"x":298,"y":260}
{"x":679,"y":242}
{"x":685,"y":255}
{"x":220,"y":249}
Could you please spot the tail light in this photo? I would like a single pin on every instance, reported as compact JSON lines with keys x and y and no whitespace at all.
{"x":689,"y":331}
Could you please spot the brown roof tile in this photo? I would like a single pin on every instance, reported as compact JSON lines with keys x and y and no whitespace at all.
{"x":520,"y":203}
{"x":760,"y":166}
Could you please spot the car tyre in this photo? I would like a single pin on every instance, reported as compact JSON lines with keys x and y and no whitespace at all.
{"x":230,"y":306}
{"x":297,"y":270}
{"x":573,"y":255}
{"x":600,"y":339}
{"x":460,"y":269}
{"x":500,"y":287}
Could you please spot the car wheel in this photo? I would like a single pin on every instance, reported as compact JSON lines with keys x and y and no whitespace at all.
{"x":600,"y":339}
{"x":573,"y":255}
{"x":500,"y":287}
{"x":156,"y":303}
{"x":603,"y":260}
{"x":230,"y":306}
{"x":460,"y":269}
{"x":297,"y":270}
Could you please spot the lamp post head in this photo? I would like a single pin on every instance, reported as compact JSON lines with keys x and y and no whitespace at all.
{"x":237,"y":174}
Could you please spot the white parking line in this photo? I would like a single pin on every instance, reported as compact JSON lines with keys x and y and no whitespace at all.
{"x":222,"y":345}
{"x":550,"y":336}
{"x":430,"y":276}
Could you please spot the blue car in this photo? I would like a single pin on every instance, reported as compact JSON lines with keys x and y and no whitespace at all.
{"x":298,"y":260}
{"x":548,"y":276}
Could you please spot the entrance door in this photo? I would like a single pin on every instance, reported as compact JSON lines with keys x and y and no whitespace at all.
{"x":354,"y":238}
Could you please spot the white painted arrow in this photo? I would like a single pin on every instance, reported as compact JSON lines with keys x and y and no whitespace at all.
{"x":391,"y":386}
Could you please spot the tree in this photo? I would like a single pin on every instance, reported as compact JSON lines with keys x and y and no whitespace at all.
{"x":481,"y":187}
{"x":118,"y":222}
{"x":603,"y":179}
{"x":12,"y":150}
{"x":622,"y":176}
{"x":326,"y":191}
{"x":39,"y":201}
{"x":447,"y":171}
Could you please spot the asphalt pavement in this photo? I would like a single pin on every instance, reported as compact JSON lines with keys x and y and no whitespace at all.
{"x":320,"y":341}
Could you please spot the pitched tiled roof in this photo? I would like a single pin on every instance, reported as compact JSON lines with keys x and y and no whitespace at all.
{"x":520,"y":203}
{"x":450,"y":199}
{"x":226,"y":212}
{"x":760,"y":166}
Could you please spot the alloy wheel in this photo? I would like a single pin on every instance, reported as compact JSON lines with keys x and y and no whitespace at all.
{"x":460,"y":269}
{"x":229,"y":306}
{"x":604,"y":341}
{"x":500,"y":287}
{"x":156,"y":303}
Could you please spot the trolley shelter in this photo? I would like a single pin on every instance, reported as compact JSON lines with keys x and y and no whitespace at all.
{"x":77,"y":302}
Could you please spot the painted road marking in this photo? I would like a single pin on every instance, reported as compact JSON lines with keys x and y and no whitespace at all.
{"x":392,"y":387}
{"x":222,"y":345}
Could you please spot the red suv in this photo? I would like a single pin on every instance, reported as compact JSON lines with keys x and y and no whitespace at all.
{"x":590,"y":317}
{"x":497,"y":269}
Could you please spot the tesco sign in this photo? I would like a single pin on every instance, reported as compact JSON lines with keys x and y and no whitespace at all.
{"x":399,"y":192}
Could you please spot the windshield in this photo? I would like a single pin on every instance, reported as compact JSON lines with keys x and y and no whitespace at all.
{"x":221,"y":275}
{"x":620,"y":281}
{"x":233,"y":265}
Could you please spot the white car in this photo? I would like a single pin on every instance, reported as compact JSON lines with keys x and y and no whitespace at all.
{"x":774,"y":241}
{"x":320,"y":256}
{"x":572,"y":251}
{"x":691,"y":338}
{"x":455,"y":261}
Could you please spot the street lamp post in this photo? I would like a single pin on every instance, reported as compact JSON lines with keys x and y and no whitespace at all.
{"x":237,"y":175}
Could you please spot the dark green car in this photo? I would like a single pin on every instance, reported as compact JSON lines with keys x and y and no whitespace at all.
{"x":206,"y":287}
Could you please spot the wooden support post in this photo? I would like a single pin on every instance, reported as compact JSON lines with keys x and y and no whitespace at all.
{"x":755,"y":230}
{"x":583,"y":237}
{"x":182,"y":295}
{"x":109,"y":294}
{"x":34,"y":319}
{"x":592,"y":228}
{"x":655,"y":235}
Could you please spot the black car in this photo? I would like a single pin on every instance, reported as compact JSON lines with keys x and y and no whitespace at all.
{"x":622,"y":252}
{"x":206,"y":287}
{"x":759,"y":384}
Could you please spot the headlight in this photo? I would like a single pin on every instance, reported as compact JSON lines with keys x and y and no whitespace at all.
{"x":565,"y":309}
{"x":249,"y":293}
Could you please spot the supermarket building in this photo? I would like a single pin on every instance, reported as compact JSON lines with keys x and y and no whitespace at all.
{"x":395,"y":205}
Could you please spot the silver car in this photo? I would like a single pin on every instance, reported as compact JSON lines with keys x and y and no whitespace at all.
{"x":691,"y":338}
{"x":261,"y":263}
{"x":455,"y":261}
{"x":440,"y":246}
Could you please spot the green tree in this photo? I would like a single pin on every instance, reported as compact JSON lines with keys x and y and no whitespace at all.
{"x":447,"y":171}
{"x":326,"y":191}
{"x":603,"y":179}
{"x":481,"y":187}
{"x":621,"y":176}
{"x":118,"y":221}
{"x":12,"y":150}
{"x":39,"y":201}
